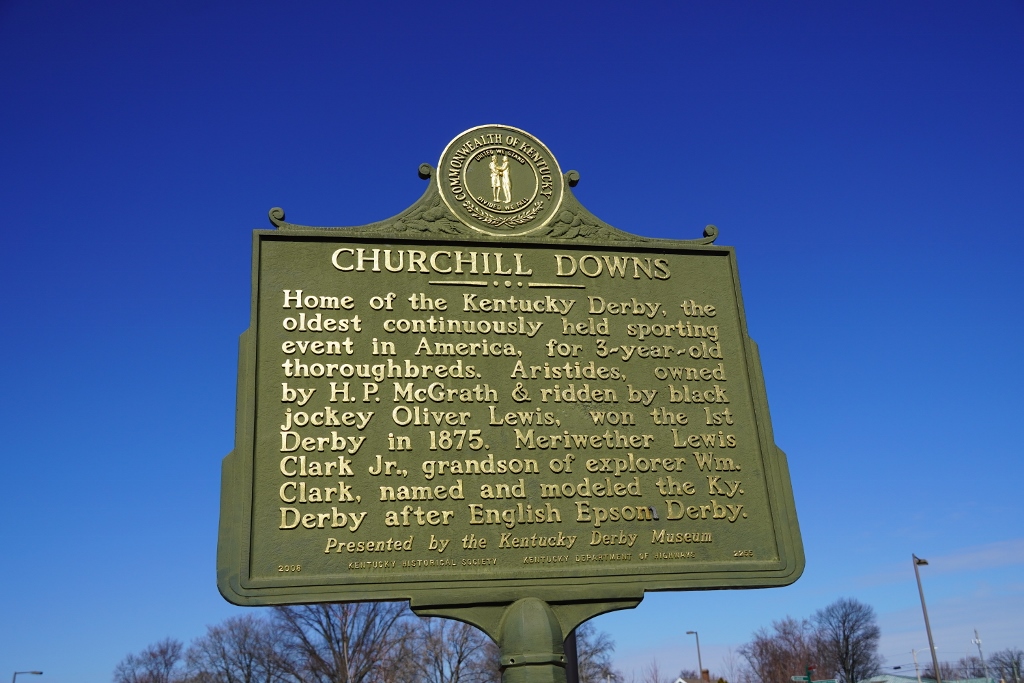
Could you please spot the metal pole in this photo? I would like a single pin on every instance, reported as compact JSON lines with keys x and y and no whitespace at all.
{"x":700,"y":665}
{"x":572,"y":663}
{"x":977,"y":641}
{"x":532,"y":644}
{"x":924,"y":609}
{"x":917,"y":671}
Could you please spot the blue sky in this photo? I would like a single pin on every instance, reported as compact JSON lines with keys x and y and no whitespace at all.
{"x":865,"y":159}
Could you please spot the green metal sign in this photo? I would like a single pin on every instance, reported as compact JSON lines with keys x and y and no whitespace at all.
{"x":495,"y":396}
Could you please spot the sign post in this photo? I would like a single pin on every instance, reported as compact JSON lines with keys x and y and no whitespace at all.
{"x":502,"y":409}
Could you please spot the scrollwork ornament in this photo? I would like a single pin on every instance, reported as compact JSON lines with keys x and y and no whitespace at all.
{"x":516,"y":187}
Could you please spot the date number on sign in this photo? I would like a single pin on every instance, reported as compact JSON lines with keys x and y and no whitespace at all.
{"x":742,"y":553}
{"x":447,"y":440}
{"x":289,"y":567}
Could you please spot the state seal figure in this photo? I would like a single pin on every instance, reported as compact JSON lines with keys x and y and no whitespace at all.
{"x":506,"y":180}
{"x":495,"y":177}
{"x":501,"y":184}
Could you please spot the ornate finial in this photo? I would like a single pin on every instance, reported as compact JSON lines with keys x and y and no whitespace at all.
{"x":573,"y":178}
{"x":276,"y":216}
{"x":426,"y":170}
{"x":711,"y":232}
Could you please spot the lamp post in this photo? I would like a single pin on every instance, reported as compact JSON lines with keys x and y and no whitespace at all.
{"x":977,"y":641}
{"x":14,"y":678}
{"x":927,"y":626}
{"x":700,"y":664}
{"x":917,"y":671}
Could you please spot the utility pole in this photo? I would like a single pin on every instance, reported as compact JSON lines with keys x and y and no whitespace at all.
{"x":977,"y":641}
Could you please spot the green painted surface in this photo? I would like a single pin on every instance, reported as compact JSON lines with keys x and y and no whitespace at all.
{"x":466,"y":419}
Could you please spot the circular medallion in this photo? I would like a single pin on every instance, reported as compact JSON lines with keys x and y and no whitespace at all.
{"x":500,"y":180}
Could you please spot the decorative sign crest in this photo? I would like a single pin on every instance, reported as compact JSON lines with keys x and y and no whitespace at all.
{"x":500,"y":180}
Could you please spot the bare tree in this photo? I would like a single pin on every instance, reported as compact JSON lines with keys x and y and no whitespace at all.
{"x":447,"y":651}
{"x":949,"y":672}
{"x":243,"y":649}
{"x":158,"y":663}
{"x":970,"y":667}
{"x":594,"y":655}
{"x":846,"y":639}
{"x":492,"y":661}
{"x":773,"y":656}
{"x":346,"y":642}
{"x":652,"y":674}
{"x":732,"y":667}
{"x":1007,"y":665}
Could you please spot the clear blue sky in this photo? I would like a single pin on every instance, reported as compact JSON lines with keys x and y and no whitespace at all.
{"x":865,"y":159}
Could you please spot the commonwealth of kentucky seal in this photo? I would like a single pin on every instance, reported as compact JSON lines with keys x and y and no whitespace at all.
{"x":500,"y":180}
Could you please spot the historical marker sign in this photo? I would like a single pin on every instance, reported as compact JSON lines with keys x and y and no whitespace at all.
{"x":495,"y":395}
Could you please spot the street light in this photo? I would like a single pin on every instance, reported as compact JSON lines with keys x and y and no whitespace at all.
{"x":917,"y":671}
{"x":927,"y":626}
{"x":699,"y":663}
{"x":14,"y":678}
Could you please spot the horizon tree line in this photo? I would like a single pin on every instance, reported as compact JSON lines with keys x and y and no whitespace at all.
{"x":384,"y":642}
{"x":370,"y":642}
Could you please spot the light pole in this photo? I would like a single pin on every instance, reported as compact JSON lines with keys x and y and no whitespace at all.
{"x":977,"y":641}
{"x":14,"y":678}
{"x":917,"y":671}
{"x":927,"y":626}
{"x":700,"y":664}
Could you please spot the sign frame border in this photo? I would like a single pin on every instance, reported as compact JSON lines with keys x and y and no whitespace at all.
{"x":237,"y":468}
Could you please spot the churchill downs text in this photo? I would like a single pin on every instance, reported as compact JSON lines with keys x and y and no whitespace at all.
{"x":447,"y":262}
